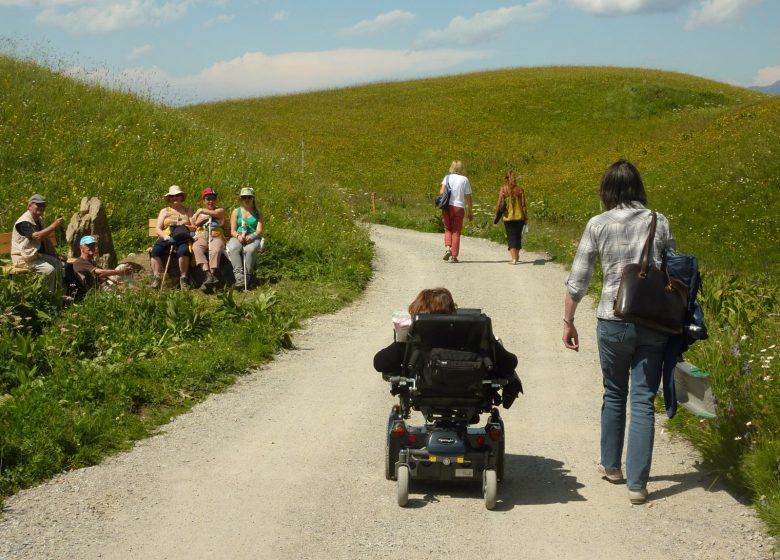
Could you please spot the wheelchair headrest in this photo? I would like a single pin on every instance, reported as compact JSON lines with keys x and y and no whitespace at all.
{"x":469,"y":329}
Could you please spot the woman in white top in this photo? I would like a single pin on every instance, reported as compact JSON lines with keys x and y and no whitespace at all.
{"x":460,"y":196}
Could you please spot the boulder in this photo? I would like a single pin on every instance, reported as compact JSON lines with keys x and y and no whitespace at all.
{"x":91,"y":219}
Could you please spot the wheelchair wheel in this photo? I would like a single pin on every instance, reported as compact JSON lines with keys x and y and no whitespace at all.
{"x":489,"y":488}
{"x":500,"y":460}
{"x":389,"y":461}
{"x":403,"y":485}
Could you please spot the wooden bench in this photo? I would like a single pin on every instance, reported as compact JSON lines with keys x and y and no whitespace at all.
{"x":5,"y":249}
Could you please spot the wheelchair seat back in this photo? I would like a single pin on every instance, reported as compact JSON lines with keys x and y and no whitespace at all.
{"x":450,"y":356}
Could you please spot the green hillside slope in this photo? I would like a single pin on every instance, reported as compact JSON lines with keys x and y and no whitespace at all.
{"x":706,"y":150}
{"x":81,"y":382}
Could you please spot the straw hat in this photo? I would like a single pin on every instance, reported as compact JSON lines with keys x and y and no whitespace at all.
{"x":174,"y":190}
{"x":247,"y":191}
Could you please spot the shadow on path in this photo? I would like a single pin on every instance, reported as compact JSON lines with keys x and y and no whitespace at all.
{"x":528,"y":480}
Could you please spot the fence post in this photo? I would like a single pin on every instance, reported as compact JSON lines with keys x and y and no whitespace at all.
{"x":373,"y":203}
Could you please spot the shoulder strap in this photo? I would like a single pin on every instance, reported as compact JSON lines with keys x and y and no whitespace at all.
{"x":644,"y":261}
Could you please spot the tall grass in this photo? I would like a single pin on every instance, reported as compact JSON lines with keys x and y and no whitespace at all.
{"x":81,"y":382}
{"x":707,"y":152}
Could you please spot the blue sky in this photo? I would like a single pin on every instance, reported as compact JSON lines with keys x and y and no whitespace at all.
{"x":199,"y":50}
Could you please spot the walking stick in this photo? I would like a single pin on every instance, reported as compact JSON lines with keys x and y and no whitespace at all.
{"x":208,"y":245}
{"x":167,"y":264}
{"x":246,"y":272}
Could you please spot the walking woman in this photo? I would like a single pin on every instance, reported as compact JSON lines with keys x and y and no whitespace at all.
{"x":246,"y":238}
{"x":631,"y":355}
{"x":460,"y":196}
{"x":210,"y":223}
{"x":173,"y":236}
{"x":515,"y":215}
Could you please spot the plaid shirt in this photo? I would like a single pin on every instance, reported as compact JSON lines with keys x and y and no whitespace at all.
{"x":617,"y":237}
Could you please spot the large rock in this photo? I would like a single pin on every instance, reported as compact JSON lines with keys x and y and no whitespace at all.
{"x":91,"y":219}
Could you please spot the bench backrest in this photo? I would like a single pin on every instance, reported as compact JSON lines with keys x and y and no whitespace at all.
{"x":152,"y":227}
{"x":5,"y":243}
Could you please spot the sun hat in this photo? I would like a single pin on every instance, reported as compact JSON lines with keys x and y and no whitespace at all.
{"x":207,"y":191}
{"x":36,"y":199}
{"x":87,"y":240}
{"x":247,"y":191}
{"x":174,"y":190}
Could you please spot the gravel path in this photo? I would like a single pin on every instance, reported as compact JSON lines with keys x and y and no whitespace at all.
{"x":287,"y":464}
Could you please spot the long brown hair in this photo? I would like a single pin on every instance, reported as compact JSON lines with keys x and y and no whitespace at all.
{"x":433,"y":300}
{"x":510,"y":186}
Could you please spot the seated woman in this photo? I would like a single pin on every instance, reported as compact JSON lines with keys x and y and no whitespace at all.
{"x":390,"y":359}
{"x":172,"y":236}
{"x":246,"y":238}
{"x":210,"y":224}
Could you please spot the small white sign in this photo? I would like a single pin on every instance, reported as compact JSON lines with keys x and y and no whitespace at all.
{"x":464,"y":472}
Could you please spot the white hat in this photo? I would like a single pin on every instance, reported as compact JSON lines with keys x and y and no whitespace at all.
{"x":175,"y":190}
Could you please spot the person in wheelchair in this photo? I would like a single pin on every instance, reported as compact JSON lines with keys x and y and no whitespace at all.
{"x":390,"y":360}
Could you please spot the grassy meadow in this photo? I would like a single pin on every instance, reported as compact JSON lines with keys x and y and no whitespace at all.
{"x":708,"y":153}
{"x":78,"y":383}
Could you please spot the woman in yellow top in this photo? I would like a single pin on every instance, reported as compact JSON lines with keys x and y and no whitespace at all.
{"x":173,"y":224}
{"x":516,"y":213}
{"x":210,"y":223}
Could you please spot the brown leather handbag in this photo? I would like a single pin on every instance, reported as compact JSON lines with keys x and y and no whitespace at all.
{"x":650,"y":296}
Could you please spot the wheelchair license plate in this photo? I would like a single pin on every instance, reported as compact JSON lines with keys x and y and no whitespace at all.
{"x":464,"y":472}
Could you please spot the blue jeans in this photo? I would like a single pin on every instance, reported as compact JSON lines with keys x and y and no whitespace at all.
{"x":629,"y":350}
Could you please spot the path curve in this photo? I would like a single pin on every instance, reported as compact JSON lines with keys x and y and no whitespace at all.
{"x":287,"y":463}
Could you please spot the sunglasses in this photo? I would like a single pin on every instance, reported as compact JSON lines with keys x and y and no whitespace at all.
{"x":210,"y":197}
{"x":40,"y":204}
{"x":247,"y":197}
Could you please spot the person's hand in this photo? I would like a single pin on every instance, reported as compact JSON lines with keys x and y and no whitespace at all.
{"x":571,"y":339}
{"x":167,"y":238}
{"x":59,"y":221}
{"x":471,"y":216}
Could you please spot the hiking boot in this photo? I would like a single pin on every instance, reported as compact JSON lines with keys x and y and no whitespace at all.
{"x":184,"y":283}
{"x":447,"y":254}
{"x":613,"y":475}
{"x":209,"y":283}
{"x":454,"y":259}
{"x":637,"y":497}
{"x":155,"y":283}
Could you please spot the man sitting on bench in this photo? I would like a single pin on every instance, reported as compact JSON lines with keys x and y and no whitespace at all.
{"x":30,"y":244}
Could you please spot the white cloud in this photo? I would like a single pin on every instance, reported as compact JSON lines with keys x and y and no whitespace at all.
{"x":280,"y":15}
{"x":139,"y":52}
{"x":380,"y":22}
{"x":257,"y":73}
{"x":218,"y":20}
{"x":767,"y":76}
{"x":619,"y":7}
{"x":714,"y":12}
{"x":484,"y":25}
{"x":102,"y":16}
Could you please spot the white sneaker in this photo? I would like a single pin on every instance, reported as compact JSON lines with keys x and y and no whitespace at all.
{"x":613,"y":475}
{"x":637,"y":497}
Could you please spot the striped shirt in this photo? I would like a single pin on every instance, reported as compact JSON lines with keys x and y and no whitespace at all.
{"x":617,"y":237}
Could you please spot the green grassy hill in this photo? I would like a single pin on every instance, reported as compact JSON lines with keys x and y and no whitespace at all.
{"x":707,"y":150}
{"x":82,"y":382}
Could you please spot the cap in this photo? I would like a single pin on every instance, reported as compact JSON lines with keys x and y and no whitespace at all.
{"x":208,"y":191}
{"x":87,"y":240}
{"x":174,"y":190}
{"x":247,"y":191}
{"x":36,"y":199}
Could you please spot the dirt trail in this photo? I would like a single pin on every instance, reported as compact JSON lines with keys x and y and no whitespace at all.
{"x":287,"y":464}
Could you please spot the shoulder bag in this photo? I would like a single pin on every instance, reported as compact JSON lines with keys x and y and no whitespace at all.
{"x":443,"y":200}
{"x":650,"y":296}
{"x":501,"y":208}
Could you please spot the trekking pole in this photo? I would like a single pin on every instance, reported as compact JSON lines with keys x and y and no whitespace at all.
{"x":246,"y":272}
{"x":167,"y":264}
{"x":208,"y":245}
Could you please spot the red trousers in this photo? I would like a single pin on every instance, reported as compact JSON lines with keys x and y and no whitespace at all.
{"x":453,"y":225}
